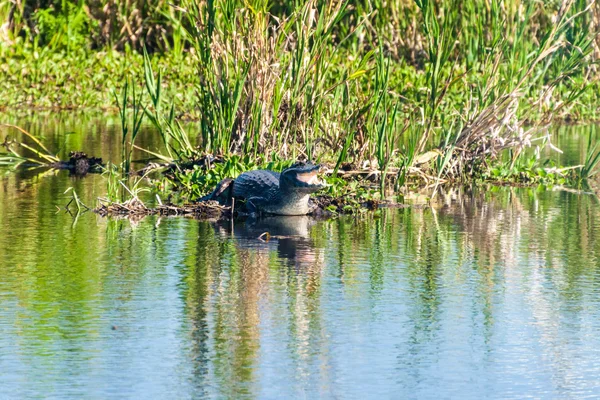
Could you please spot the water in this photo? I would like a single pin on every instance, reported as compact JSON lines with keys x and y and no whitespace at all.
{"x":492,"y":294}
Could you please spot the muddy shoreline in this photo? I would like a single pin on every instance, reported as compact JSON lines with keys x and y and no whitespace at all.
{"x":326,"y":207}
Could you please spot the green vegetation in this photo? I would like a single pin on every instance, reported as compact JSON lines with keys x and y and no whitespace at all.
{"x":419,"y":93}
{"x":84,"y":79}
{"x":14,"y":150}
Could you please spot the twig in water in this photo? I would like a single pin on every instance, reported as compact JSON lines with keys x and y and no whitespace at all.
{"x":264,"y":235}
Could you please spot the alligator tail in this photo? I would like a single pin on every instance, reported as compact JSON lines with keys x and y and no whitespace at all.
{"x":222,"y":192}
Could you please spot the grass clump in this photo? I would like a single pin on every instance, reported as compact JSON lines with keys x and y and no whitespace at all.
{"x":305,"y":85}
{"x":413,"y":93}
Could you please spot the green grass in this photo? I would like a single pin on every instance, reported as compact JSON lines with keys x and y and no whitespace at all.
{"x":367,"y":84}
{"x":17,"y":152}
{"x":85,"y":79}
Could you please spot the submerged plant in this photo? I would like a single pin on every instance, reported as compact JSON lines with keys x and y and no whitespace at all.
{"x":75,"y":199}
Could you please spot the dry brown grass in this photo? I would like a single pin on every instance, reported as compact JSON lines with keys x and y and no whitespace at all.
{"x":136,"y":208}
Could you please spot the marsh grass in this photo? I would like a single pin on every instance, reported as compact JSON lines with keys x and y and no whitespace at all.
{"x":176,"y":141}
{"x":131,"y":122}
{"x":18,"y":152}
{"x":495,"y":122}
{"x":303,"y":84}
{"x":592,"y":158}
{"x":121,"y":189}
{"x":419,"y":91}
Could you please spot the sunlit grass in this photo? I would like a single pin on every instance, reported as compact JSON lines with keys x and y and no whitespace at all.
{"x":421,"y":91}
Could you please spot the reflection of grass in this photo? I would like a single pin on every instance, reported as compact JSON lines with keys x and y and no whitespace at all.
{"x":16,"y":151}
{"x":229,"y":298}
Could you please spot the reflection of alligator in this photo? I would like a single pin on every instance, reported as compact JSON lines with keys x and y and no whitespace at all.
{"x":289,"y":235}
{"x":266,"y":191}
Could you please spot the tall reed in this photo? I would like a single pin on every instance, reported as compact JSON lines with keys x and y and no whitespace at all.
{"x":303,"y":82}
{"x":131,"y":122}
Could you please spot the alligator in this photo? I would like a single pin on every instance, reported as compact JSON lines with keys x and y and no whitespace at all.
{"x":265,"y":191}
{"x":80,"y":164}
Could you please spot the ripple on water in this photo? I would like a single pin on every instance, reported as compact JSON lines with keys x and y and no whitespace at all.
{"x":493,"y":295}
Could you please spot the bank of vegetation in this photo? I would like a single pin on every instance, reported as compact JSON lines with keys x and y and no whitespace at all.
{"x":406,"y":93}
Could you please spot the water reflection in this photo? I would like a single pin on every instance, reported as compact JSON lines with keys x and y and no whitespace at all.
{"x":491,"y":294}
{"x":427,"y":299}
{"x":242,"y":311}
{"x":487,"y":293}
{"x":288,"y":236}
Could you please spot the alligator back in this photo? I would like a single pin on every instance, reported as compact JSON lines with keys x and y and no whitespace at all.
{"x":259,"y":183}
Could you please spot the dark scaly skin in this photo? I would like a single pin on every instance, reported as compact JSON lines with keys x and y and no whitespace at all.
{"x":271,"y":192}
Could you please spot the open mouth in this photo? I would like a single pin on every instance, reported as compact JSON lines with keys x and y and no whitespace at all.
{"x":306,"y":177}
{"x":310,"y":178}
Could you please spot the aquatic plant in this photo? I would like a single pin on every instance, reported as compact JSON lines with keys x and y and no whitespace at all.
{"x":131,"y":122}
{"x":175,"y":139}
{"x":409,"y":92}
{"x":18,"y":152}
{"x":123,"y":189}
{"x":592,"y":158}
{"x":76,"y":200}
{"x":495,"y":123}
{"x":117,"y":24}
{"x":268,"y":85}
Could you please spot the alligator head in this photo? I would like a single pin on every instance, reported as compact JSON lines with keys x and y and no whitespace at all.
{"x":301,"y":177}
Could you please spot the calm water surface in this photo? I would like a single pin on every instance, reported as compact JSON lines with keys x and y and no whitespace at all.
{"x":492,"y":294}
